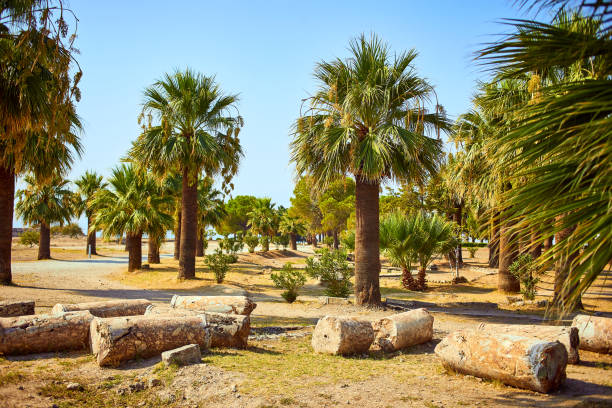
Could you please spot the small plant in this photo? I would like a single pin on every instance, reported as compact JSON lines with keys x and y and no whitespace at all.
{"x":329,"y":241}
{"x":251,"y":242}
{"x":526,"y":271}
{"x":348,"y":240}
{"x":332,"y":269}
{"x":218,"y":262}
{"x":29,"y":238}
{"x":289,"y":279}
{"x":472,"y":251}
{"x":231,"y":245}
{"x":282,"y":240}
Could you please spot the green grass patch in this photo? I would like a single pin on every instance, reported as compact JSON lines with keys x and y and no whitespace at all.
{"x":11,"y":377}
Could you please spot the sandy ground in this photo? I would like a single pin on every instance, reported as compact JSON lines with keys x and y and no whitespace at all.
{"x":276,"y":371}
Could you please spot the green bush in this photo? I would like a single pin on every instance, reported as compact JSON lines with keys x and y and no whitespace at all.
{"x":289,"y":279}
{"x":329,"y":241}
{"x":348,"y":240}
{"x":218,"y":262}
{"x":332,"y":269}
{"x":474,"y":244}
{"x":231,"y":245}
{"x":525,"y":270}
{"x":29,"y":238}
{"x":72,"y":230}
{"x":251,"y":242}
{"x":472,"y":251}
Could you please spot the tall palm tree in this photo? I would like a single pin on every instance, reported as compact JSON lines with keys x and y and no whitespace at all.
{"x":263,"y":221}
{"x":368,"y":119}
{"x":211,"y":211}
{"x":44,"y":203}
{"x":562,"y":140}
{"x":195,"y":131}
{"x":88,"y":184}
{"x":133,"y":205}
{"x":293,"y":227}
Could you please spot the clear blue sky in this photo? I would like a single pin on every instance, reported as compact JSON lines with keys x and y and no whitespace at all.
{"x":265,"y":51}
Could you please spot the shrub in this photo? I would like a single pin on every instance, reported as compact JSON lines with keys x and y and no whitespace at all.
{"x":251,"y":242}
{"x":218,"y":262}
{"x":72,"y":230}
{"x":474,"y":244}
{"x":289,"y":279}
{"x":472,"y":251}
{"x":231,"y":245}
{"x":525,"y":270}
{"x":332,"y":269}
{"x":283,"y":240}
{"x":329,"y":241}
{"x":348,"y":240}
{"x":29,"y":238}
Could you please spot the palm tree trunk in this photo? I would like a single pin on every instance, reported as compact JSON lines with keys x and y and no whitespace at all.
{"x":536,"y":245}
{"x":293,"y":240}
{"x":200,"y":244}
{"x":91,"y":239}
{"x":407,"y":280}
{"x":189,"y":227}
{"x":7,"y":201}
{"x":314,"y":240}
{"x":563,"y":267}
{"x":508,"y":252}
{"x":153,"y":254}
{"x":336,"y":240}
{"x":494,"y":242}
{"x":548,"y":243}
{"x":177,"y":235}
{"x":367,"y":250}
{"x":134,"y":244}
{"x":458,"y":218}
{"x":422,"y":285}
{"x":44,"y":242}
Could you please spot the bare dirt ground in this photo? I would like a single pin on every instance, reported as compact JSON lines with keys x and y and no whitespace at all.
{"x":279,"y":368}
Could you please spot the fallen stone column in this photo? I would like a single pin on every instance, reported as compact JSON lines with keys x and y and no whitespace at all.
{"x":342,"y":335}
{"x":226,"y":330}
{"x":44,"y":333}
{"x":403,"y":330}
{"x":241,"y":305}
{"x":109,"y":308}
{"x":568,"y":336}
{"x":521,"y":361}
{"x":118,"y":339}
{"x":595,"y":333}
{"x":16,"y":308}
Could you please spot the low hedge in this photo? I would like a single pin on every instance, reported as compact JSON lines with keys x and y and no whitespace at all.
{"x":474,"y":244}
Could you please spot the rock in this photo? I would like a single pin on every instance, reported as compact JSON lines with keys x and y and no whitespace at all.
{"x":595,"y":333}
{"x":568,"y":336}
{"x":225,"y":330}
{"x":16,"y":308}
{"x":118,"y":339}
{"x":154,"y":382}
{"x":44,"y":333}
{"x":74,"y":387}
{"x":122,"y":390}
{"x":189,"y":354}
{"x":521,"y":361}
{"x":136,"y":387}
{"x":433,"y":267}
{"x":403,"y":330}
{"x":110,"y":308}
{"x":513,"y":299}
{"x":241,"y":305}
{"x":342,"y":335}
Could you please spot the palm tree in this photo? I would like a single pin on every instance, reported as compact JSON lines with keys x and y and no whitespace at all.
{"x":368,"y":119}
{"x":211,"y":211}
{"x":293,"y":227}
{"x":44,"y":203}
{"x":263,"y":221}
{"x":561,"y":140}
{"x":195,"y":132}
{"x":88,"y":184}
{"x":132,"y":205}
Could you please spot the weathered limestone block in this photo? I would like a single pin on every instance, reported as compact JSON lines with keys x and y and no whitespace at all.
{"x":117,"y":339}
{"x":44,"y":333}
{"x":595,"y":333}
{"x":16,"y":308}
{"x":568,"y":336}
{"x":241,"y":305}
{"x":226,"y":330}
{"x":403,"y":330}
{"x":109,"y":308}
{"x":342,"y":335}
{"x":189,"y":354}
{"x":521,"y":361}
